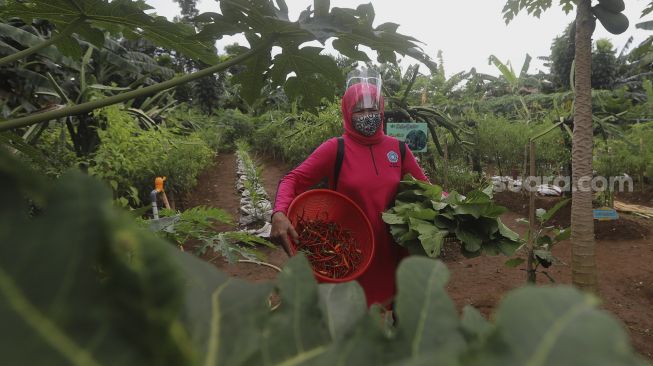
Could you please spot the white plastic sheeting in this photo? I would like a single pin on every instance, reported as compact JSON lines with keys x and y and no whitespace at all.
{"x":254,"y":201}
{"x":503,"y":184}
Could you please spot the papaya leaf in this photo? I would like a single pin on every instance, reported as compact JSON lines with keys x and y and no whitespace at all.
{"x":387,"y":27}
{"x":349,"y":49}
{"x":322,"y":28}
{"x":254,"y":77}
{"x":217,"y":28}
{"x":409,"y":236}
{"x":439,"y":205}
{"x":315,"y":74}
{"x":124,"y":17}
{"x":404,"y":207}
{"x":493,"y":211}
{"x":309,"y":91}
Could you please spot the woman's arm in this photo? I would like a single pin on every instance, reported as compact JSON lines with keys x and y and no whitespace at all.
{"x":411,"y":166}
{"x":318,"y":165}
{"x":311,"y":171}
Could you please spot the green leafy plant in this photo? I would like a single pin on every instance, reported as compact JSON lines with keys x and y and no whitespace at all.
{"x":114,"y":294}
{"x":422,"y":218}
{"x":130,"y":157}
{"x":194,"y":227}
{"x":292,"y":137}
{"x":265,"y":23}
{"x":234,"y":126}
{"x":544,"y":239}
{"x":458,"y":174}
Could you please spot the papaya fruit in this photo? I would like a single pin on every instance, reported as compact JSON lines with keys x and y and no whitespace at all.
{"x":614,"y":6}
{"x":615,"y":23}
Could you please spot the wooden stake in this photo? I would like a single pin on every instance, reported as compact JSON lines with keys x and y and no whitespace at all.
{"x":530,"y":270}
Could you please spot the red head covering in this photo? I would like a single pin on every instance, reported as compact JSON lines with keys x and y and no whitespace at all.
{"x":352,"y":96}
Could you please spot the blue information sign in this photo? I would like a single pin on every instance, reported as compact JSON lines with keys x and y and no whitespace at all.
{"x":605,"y":213}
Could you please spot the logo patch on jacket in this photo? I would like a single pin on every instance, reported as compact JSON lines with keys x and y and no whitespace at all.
{"x":393,"y":157}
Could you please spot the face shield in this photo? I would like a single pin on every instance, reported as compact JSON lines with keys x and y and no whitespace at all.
{"x":366,"y":97}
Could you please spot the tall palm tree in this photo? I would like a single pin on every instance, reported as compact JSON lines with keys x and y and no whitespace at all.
{"x":583,"y":262}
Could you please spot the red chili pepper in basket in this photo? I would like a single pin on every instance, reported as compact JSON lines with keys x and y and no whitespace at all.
{"x":331,"y":250}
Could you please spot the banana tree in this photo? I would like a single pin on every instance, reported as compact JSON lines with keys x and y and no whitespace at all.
{"x":514,"y":81}
{"x":582,"y":225}
{"x":399,"y":109}
{"x":264,"y":23}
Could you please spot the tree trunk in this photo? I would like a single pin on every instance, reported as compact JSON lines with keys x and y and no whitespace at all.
{"x":583,"y":263}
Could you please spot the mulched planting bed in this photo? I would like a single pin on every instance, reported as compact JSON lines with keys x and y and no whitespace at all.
{"x":625,"y":228}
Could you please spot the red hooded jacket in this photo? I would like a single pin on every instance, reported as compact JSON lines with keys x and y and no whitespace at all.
{"x":370,"y":175}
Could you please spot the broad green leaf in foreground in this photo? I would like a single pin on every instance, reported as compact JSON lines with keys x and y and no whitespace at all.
{"x":80,"y":286}
{"x":428,"y":320}
{"x":557,"y":322}
{"x":473,"y":325}
{"x":296,"y":332}
{"x":343,"y":305}
{"x":224,"y":315}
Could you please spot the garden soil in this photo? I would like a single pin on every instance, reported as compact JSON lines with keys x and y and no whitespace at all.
{"x":624,"y":253}
{"x":625,"y":228}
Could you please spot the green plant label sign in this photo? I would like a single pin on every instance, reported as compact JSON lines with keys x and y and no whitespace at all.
{"x":413,"y":134}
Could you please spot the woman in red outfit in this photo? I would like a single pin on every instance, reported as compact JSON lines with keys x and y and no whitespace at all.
{"x":370,"y":174}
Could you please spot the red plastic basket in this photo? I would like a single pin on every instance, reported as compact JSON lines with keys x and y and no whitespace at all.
{"x":325,"y":203}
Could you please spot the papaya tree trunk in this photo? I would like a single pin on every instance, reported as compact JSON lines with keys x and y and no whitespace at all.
{"x":583,"y":263}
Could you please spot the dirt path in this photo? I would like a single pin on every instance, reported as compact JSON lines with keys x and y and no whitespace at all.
{"x":216,"y":188}
{"x":625,"y":281}
{"x":625,"y":276}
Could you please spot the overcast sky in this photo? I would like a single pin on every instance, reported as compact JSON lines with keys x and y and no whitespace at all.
{"x":467,"y":31}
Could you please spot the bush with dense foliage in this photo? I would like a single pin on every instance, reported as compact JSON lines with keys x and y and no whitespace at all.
{"x":292,"y":138}
{"x":129,"y":157}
